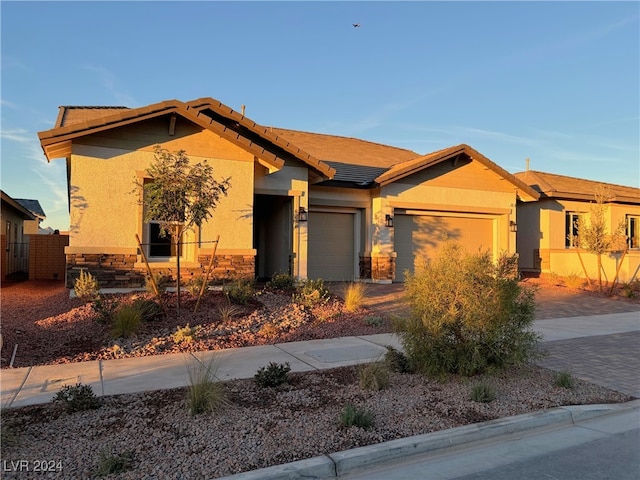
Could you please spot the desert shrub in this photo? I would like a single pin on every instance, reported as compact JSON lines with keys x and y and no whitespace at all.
{"x":227,"y":312}
{"x":282,"y":281}
{"x":162,"y":282}
{"x":77,"y":398}
{"x":269,"y":330}
{"x":109,"y":463}
{"x":553,"y":278}
{"x":563,"y":379}
{"x":352,"y":416}
{"x":186,"y":334}
{"x":374,"y":321}
{"x":8,"y":436}
{"x":483,"y":392}
{"x":374,"y":376}
{"x":272,"y":375}
{"x":628,"y":290}
{"x":205,"y":393}
{"x":354,"y":295}
{"x":104,"y":308}
{"x":397,"y":361}
{"x":86,"y":285}
{"x":150,"y":310}
{"x":126,"y":321}
{"x":311,"y":292}
{"x":468,"y":315}
{"x":573,"y":280}
{"x":195,"y":285}
{"x":240,"y":291}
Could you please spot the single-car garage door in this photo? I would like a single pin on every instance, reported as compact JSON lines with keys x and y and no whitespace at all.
{"x":331,"y":246}
{"x":417,"y":237}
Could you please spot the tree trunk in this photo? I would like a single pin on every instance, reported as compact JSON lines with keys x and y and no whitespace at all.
{"x":599,"y":272}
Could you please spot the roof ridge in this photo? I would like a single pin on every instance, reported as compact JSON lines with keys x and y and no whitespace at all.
{"x":538,"y":172}
{"x":371,"y":142}
{"x":95,"y":106}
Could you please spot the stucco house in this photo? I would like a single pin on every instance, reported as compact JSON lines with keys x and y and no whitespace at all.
{"x":14,"y":242}
{"x":547,"y":228}
{"x":32,"y":227}
{"x":312,"y":205}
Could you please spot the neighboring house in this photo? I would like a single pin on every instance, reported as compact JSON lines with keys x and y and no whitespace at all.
{"x":32,"y":227}
{"x":547,"y":228}
{"x":15,"y":246}
{"x":312,"y":205}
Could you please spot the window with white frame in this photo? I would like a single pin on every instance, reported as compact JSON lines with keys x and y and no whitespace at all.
{"x":633,"y":231}
{"x":572,"y":228}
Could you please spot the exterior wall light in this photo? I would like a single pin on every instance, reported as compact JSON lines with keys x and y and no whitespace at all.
{"x":388,"y":221}
{"x":513,"y":227}
{"x":302,"y":214}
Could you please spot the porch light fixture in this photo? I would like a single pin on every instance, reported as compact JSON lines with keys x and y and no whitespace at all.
{"x":302,"y":214}
{"x":513,"y":227}
{"x":388,"y":221}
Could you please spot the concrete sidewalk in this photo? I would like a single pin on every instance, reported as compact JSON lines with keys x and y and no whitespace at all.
{"x":38,"y":384}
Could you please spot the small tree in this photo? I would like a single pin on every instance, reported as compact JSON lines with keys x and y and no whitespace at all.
{"x":180,"y":195}
{"x":593,"y":236}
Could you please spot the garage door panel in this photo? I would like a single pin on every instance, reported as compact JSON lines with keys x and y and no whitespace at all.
{"x":331,"y":246}
{"x":418,"y":237}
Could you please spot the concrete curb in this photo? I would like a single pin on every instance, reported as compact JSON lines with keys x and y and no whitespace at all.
{"x":346,"y":462}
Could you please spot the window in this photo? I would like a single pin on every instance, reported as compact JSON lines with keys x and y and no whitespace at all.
{"x":572,"y":223}
{"x":633,"y":231}
{"x":159,"y":247}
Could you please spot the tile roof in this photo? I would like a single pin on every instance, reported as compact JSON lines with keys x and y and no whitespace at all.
{"x":6,"y":199}
{"x":68,"y":115}
{"x":560,"y":186}
{"x":33,"y":206}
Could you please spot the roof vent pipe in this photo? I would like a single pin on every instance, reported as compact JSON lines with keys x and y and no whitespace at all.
{"x":242,"y":108}
{"x":527,"y":162}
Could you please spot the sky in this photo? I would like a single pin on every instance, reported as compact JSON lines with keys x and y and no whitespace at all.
{"x":555,"y":82}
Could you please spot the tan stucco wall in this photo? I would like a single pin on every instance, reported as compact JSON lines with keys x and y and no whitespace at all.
{"x":105,"y":209}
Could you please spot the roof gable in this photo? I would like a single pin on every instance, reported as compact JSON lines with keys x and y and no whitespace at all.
{"x":551,"y":185}
{"x":207,"y":113}
{"x":454,"y":154}
{"x":13,"y":203}
{"x":33,"y":206}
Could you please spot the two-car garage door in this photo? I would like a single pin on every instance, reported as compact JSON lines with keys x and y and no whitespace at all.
{"x":417,"y":237}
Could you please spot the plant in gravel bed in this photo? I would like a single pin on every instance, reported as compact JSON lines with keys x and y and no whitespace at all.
{"x":311,"y":292}
{"x":162,"y":282}
{"x":272,"y":375}
{"x":126,"y":321}
{"x":240,"y":291}
{"x":268,"y":330}
{"x":8,"y":436}
{"x":354,"y":295}
{"x":397,"y":361}
{"x":282,"y":282}
{"x":563,"y":379}
{"x":373,"y":321}
{"x":227,"y":312}
{"x":195,"y":285}
{"x":373,"y":376}
{"x":483,"y":392}
{"x":77,"y":398}
{"x":353,"y":416}
{"x":110,"y":463}
{"x":86,"y":285}
{"x":573,"y":280}
{"x":185,"y":334}
{"x":150,"y":310}
{"x":104,"y":308}
{"x":205,"y":392}
{"x":468,"y":315}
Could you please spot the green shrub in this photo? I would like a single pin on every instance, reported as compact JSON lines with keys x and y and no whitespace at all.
{"x":240,"y":291}
{"x":483,"y":392}
{"x":628,"y":290}
{"x":150,"y":310}
{"x":374,"y":321}
{"x":162,"y":282}
{"x":86,"y":285}
{"x":195,"y":285}
{"x":205,"y":393}
{"x":272,"y":375}
{"x":282,"y":282}
{"x":397,"y":361}
{"x":468,"y":315}
{"x":104,"y":308}
{"x":77,"y":398}
{"x":126,"y":321}
{"x":354,"y":295}
{"x":374,"y":376}
{"x":109,"y":463}
{"x":186,"y":334}
{"x":311,"y":292}
{"x":563,"y":379}
{"x":352,"y":416}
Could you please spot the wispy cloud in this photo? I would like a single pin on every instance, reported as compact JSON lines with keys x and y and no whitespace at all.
{"x":17,"y":135}
{"x":111,"y":83}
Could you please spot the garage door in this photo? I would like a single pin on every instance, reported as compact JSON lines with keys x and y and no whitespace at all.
{"x":418,"y":236}
{"x":331,"y":239}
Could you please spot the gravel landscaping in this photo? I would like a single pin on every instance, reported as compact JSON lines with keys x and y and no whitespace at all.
{"x":156,"y":436}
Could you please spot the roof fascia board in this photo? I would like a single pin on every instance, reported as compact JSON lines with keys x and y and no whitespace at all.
{"x":12,"y":203}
